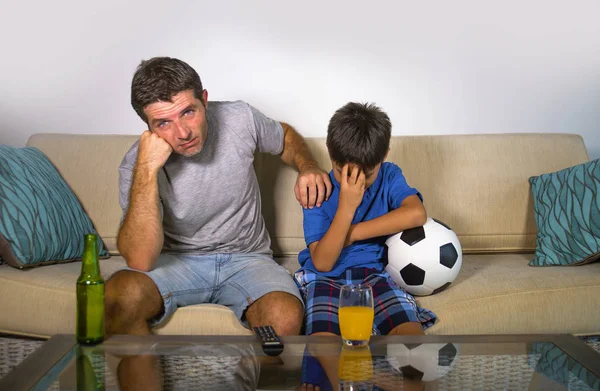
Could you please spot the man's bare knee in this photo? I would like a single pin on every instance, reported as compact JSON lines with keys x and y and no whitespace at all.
{"x":132,"y":290}
{"x":130,"y":297}
{"x":292,"y":317}
{"x":281,"y":310}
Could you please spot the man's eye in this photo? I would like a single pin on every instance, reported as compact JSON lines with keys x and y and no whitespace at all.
{"x":188,"y":112}
{"x":162,"y":124}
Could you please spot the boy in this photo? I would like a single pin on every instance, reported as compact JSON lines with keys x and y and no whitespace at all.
{"x":346,"y":235}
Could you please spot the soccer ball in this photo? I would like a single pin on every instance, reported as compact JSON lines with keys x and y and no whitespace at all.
{"x":424,"y":260}
{"x":425,"y":362}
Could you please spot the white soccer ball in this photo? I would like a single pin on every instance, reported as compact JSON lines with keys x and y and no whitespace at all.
{"x":426,"y":362}
{"x":424,"y":260}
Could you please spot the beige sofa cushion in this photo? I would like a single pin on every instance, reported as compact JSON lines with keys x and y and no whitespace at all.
{"x":477,"y":184}
{"x":501,"y":294}
{"x":90,"y":165}
{"x":41,"y":301}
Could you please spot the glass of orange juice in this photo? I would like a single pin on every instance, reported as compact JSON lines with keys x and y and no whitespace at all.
{"x":356,"y":314}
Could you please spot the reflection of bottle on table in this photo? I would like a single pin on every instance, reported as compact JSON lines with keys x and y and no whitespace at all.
{"x":90,"y":369}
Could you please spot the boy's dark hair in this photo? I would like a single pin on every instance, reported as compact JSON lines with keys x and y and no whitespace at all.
{"x":359,"y":133}
{"x":158,"y":79}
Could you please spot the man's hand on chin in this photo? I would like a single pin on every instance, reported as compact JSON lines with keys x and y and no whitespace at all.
{"x":153,"y":151}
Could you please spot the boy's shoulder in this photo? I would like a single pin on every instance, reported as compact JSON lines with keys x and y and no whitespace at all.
{"x":390,"y":171}
{"x":390,"y":167}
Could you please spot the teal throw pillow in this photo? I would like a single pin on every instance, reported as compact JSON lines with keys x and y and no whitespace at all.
{"x":567,"y":213}
{"x":41,"y":220}
{"x":549,"y":360}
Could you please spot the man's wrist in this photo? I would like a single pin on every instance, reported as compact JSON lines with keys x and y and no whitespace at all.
{"x":306,"y":165}
{"x":146,"y":173}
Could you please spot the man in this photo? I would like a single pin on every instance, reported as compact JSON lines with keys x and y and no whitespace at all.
{"x":192,"y":230}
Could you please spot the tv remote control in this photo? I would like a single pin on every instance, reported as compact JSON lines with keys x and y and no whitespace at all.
{"x":269,"y":340}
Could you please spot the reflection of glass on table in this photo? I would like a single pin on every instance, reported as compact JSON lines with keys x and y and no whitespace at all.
{"x":355,"y":368}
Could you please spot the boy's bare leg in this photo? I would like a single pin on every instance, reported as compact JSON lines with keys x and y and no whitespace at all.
{"x":329,"y":362}
{"x":408,"y":328}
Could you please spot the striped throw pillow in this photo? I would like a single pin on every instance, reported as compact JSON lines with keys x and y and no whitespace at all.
{"x":567,"y":213}
{"x":41,"y":220}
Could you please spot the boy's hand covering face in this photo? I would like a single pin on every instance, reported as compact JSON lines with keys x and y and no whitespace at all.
{"x":352,"y":188}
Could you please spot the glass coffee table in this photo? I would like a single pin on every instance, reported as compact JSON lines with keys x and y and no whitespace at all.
{"x":507,"y":362}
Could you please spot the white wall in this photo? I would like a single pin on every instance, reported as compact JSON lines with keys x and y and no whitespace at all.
{"x":450,"y":67}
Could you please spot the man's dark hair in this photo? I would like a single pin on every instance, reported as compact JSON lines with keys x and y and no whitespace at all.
{"x":158,"y":79}
{"x":359,"y":133}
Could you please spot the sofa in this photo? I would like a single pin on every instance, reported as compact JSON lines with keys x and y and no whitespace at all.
{"x":476,"y":184}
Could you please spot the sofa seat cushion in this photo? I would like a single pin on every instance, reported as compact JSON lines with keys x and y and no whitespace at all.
{"x":41,"y":302}
{"x":501,"y":294}
{"x":493,"y":294}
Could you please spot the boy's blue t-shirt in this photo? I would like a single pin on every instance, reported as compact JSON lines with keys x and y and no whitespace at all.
{"x":384,"y":195}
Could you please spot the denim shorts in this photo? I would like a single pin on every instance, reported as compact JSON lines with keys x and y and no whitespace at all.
{"x":232,"y":280}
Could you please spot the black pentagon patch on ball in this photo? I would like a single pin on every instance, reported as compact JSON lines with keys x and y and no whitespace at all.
{"x":411,"y":372}
{"x":442,"y":223}
{"x":438,"y":290}
{"x":448,"y":255}
{"x":411,"y":346}
{"x":412,"y":275}
{"x":447,"y":355}
{"x":413,"y":236}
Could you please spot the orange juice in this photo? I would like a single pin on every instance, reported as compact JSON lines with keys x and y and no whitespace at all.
{"x":356,"y":323}
{"x":355,"y":364}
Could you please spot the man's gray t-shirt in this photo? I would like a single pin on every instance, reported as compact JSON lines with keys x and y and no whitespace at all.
{"x":211,"y":201}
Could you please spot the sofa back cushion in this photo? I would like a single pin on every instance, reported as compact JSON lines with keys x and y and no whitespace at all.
{"x":89,"y":164}
{"x":477,"y":184}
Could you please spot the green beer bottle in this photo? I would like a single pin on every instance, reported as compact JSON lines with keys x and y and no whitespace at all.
{"x":90,"y":295}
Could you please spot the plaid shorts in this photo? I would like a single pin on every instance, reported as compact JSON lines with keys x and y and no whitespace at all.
{"x":392,"y":304}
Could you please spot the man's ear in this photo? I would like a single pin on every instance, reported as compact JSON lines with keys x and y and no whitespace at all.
{"x":205,"y":98}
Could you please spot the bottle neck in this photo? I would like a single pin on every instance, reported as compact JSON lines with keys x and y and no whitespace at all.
{"x":89,"y":261}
